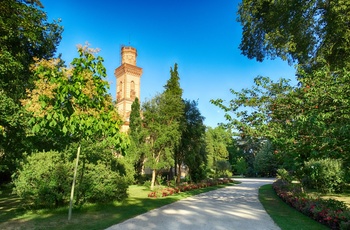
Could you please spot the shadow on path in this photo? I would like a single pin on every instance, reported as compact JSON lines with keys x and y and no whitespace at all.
{"x":232,"y":207}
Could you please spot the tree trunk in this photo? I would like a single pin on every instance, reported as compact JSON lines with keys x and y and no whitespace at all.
{"x":178,"y":178}
{"x":170,"y":174}
{"x":153,"y":179}
{"x":175,"y":167}
{"x":81,"y":181}
{"x":73,"y":185}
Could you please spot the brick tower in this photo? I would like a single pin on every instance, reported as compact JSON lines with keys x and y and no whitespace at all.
{"x":128,"y":83}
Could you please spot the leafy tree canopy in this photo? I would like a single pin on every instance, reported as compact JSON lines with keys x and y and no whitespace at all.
{"x":306,"y":32}
{"x":73,"y":101}
{"x":303,"y":122}
{"x":25,"y":34}
{"x":192,"y":141}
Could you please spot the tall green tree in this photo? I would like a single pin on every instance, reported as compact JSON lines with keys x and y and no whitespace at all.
{"x":217,"y":140}
{"x":190,"y":151}
{"x":306,"y":32}
{"x":135,"y":120}
{"x":162,"y":132}
{"x":175,"y":109}
{"x":135,"y":152}
{"x":265,"y":162}
{"x":25,"y":33}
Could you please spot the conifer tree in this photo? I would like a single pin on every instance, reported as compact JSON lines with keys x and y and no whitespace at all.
{"x":135,"y":152}
{"x":162,"y":118}
{"x":173,"y":93}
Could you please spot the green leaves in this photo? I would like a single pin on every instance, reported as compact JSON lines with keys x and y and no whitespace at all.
{"x":306,"y":32}
{"x":73,"y":102}
{"x":303,"y":122}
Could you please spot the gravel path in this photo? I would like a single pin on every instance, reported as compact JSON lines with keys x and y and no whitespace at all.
{"x":233,"y":207}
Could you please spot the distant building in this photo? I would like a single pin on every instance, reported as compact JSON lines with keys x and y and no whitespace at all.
{"x":128,"y":83}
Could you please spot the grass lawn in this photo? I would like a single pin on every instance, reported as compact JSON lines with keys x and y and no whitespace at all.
{"x":285,"y":216}
{"x":88,"y":217}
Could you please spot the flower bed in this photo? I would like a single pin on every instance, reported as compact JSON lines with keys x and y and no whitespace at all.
{"x":332,"y":213}
{"x":168,"y":191}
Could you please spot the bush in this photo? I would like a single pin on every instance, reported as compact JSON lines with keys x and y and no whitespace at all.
{"x":283,"y":174}
{"x":46,"y":177}
{"x":332,"y":213}
{"x":223,"y":168}
{"x":324,"y":175}
{"x":100,"y":184}
{"x":44,"y":180}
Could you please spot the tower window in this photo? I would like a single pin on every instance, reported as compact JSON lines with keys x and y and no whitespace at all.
{"x":132,"y":90}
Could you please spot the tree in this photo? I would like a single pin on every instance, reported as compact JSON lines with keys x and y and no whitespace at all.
{"x":135,"y":120}
{"x":217,"y":140}
{"x":25,"y":34}
{"x":255,"y":124}
{"x":309,"y":121}
{"x":175,"y":109}
{"x":190,"y":151}
{"x":135,"y":152}
{"x":241,"y":166}
{"x":265,"y":163}
{"x":162,"y":132}
{"x":74,"y":102}
{"x":307,"y":32}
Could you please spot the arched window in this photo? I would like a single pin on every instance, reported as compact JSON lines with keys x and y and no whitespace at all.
{"x":132,"y":90}
{"x":120,"y":90}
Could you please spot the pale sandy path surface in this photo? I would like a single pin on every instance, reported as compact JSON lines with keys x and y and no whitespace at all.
{"x":233,"y":207}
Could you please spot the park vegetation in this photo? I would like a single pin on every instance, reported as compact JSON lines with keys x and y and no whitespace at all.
{"x":60,"y":127}
{"x":305,"y":126}
{"x":60,"y":138}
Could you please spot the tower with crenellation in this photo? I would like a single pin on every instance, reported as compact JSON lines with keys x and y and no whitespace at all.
{"x":128,"y":83}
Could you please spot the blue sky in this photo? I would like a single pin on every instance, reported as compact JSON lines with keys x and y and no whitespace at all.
{"x":202,"y":36}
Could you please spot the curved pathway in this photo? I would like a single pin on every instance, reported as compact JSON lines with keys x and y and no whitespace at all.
{"x":232,"y":207}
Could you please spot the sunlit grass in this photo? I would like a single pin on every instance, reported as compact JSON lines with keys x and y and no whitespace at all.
{"x":286,"y":217}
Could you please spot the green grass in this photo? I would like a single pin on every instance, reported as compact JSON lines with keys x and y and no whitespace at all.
{"x":285,"y":216}
{"x":344,"y":196}
{"x":88,"y":217}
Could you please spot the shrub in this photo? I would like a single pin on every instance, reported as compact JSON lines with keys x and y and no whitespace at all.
{"x":325,"y":175}
{"x":223,"y":168}
{"x":43,"y":180}
{"x":332,"y":213}
{"x":101,"y":184}
{"x":283,"y":174}
{"x":147,"y":184}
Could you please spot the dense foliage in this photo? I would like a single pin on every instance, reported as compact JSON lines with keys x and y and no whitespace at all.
{"x":325,"y":175}
{"x":265,"y":162}
{"x":191,"y":148}
{"x":25,"y":33}
{"x":72,"y":104}
{"x":45,"y":179}
{"x":304,"y":122}
{"x":307,"y":32}
{"x":73,"y":101}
